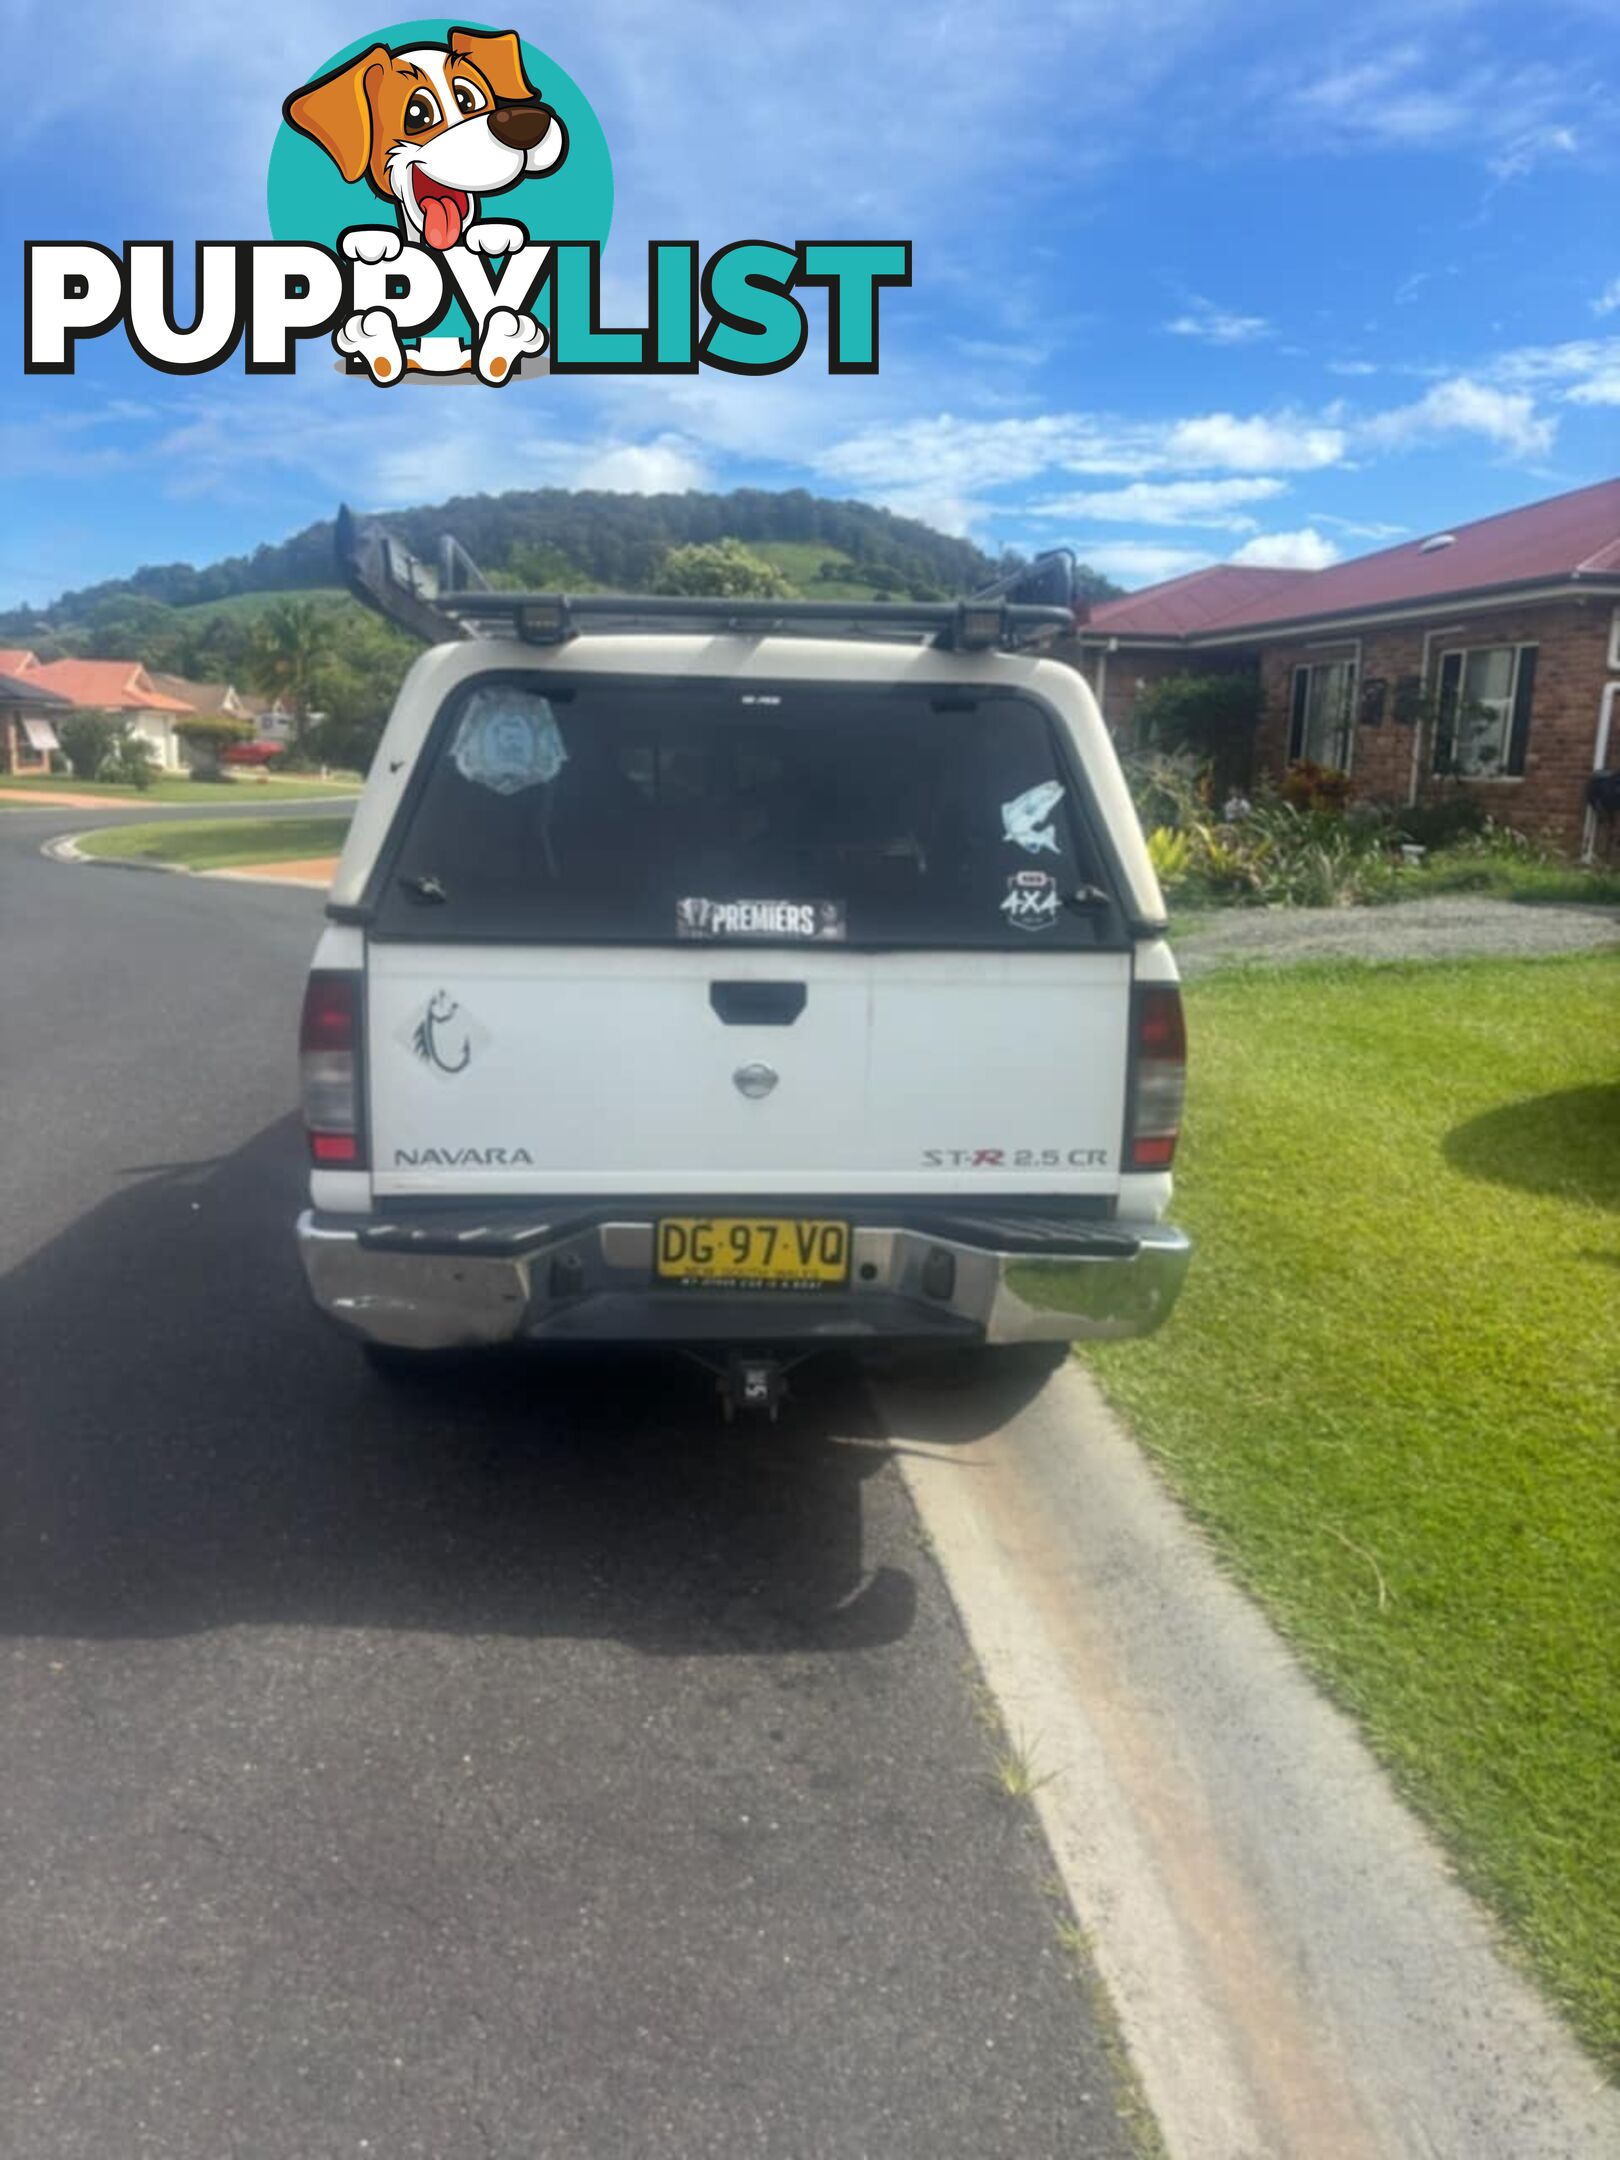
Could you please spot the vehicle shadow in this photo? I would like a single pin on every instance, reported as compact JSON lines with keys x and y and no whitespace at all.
{"x":1566,"y":1142}
{"x":189,"y":1447}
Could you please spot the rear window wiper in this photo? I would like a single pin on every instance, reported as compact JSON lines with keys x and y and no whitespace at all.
{"x":425,"y":891}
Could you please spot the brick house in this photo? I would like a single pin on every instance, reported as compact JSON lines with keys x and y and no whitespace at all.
{"x":1486,"y":657}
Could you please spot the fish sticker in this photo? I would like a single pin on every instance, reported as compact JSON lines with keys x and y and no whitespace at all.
{"x":1024,"y":819}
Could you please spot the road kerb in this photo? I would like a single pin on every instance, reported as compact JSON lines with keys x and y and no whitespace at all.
{"x":1293,"y":1969}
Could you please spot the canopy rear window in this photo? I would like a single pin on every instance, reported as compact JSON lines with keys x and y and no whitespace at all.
{"x":794,"y":814}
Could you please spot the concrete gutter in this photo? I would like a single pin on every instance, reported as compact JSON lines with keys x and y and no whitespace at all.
{"x":67,"y":850}
{"x":1294,"y":1970}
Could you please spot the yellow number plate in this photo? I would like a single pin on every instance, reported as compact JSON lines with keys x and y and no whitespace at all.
{"x":752,"y":1250}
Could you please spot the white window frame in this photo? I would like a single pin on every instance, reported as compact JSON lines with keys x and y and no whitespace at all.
{"x":1463,"y":654}
{"x":1351,"y":663}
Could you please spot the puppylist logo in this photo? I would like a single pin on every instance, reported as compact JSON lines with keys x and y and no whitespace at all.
{"x":439,"y":195}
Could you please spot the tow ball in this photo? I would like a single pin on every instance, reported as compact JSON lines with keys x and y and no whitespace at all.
{"x":754,"y":1384}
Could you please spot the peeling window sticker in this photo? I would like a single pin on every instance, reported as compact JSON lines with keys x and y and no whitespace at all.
{"x":508,"y":740}
{"x":819,"y":921}
{"x":1023,"y":820}
{"x":1032,"y":900}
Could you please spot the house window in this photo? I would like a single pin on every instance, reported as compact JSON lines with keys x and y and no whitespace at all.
{"x":1324,"y":706}
{"x":1484,"y":712}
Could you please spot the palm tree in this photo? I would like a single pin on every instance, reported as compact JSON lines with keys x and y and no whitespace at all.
{"x":288,"y":645}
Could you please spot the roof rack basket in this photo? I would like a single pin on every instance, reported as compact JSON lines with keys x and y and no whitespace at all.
{"x":454,"y":600}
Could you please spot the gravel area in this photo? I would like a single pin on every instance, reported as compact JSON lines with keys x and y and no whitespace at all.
{"x":1453,"y":927}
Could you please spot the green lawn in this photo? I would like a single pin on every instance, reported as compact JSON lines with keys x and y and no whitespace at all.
{"x":1503,"y":878}
{"x":200,"y":794}
{"x":218,"y":844}
{"x":800,"y":562}
{"x":1389,"y":1394}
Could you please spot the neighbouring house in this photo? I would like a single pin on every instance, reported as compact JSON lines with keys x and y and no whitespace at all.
{"x":270,"y":721}
{"x":27,"y":711}
{"x":214,"y":699}
{"x":125,"y":688}
{"x":1484,"y":657}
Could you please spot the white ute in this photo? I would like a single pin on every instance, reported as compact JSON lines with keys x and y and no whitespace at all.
{"x":753,"y":977}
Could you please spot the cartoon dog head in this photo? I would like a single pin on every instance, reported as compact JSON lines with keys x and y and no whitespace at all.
{"x":432,"y":127}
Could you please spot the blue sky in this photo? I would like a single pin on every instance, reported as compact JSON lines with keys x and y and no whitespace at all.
{"x":1194,"y":279}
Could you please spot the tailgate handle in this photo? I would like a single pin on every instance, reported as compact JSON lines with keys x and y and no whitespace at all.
{"x":757,"y":1004}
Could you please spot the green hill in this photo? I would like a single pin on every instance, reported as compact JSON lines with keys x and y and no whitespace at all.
{"x":589,"y":539}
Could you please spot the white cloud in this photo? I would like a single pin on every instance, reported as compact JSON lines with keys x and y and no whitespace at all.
{"x":1306,"y":549}
{"x":967,"y":454}
{"x":1218,"y":326}
{"x":1210,"y":503}
{"x":1608,"y":300}
{"x":1140,"y":562}
{"x":1423,"y":95}
{"x":1599,"y":389}
{"x":1352,"y":367}
{"x":1361,"y":528}
{"x":666,"y":466}
{"x":1526,"y":151}
{"x":1286,"y":442}
{"x":1461,"y":405}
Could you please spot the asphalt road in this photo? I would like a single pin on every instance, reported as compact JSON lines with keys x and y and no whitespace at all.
{"x":536,"y":1767}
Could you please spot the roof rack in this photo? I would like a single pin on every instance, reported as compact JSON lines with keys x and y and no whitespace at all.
{"x":455,"y":599}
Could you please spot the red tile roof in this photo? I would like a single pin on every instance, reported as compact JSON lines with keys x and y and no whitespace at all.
{"x":106,"y":685}
{"x":1184,"y":606}
{"x":1567,"y":539}
{"x":14,"y":659}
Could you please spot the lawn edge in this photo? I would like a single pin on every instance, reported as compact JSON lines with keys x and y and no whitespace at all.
{"x":66,"y":850}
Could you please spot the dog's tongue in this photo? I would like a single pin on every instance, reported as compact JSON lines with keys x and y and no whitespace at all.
{"x":441,"y":221}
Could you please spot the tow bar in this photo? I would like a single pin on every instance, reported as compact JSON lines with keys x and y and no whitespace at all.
{"x":749,"y":1381}
{"x":752,"y":1383}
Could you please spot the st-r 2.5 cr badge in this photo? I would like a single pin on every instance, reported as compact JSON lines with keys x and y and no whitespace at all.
{"x":1032,"y":900}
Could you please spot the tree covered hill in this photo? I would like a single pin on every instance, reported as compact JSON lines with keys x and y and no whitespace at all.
{"x":587,"y":538}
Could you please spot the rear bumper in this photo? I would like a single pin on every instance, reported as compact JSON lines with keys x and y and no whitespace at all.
{"x":452,"y":1282}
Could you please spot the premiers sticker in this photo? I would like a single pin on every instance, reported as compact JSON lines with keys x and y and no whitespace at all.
{"x":509,"y":740}
{"x":815,"y":921}
{"x":1032,"y":900}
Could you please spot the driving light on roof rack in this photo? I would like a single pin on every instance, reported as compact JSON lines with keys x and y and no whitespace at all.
{"x":547,"y":621}
{"x":980,"y":624}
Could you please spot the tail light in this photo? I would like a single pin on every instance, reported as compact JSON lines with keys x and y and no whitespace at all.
{"x":1158,"y":1076}
{"x":329,"y":1069}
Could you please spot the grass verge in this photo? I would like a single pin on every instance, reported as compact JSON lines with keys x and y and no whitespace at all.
{"x":223,"y":844}
{"x":1389,"y":1395}
{"x":1500,"y":877}
{"x":201,"y":795}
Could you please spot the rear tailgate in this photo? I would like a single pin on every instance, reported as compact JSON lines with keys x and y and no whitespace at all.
{"x":512,"y":1069}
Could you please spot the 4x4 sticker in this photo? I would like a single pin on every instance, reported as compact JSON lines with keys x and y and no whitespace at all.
{"x":1032,"y":900}
{"x":1023,"y":820}
{"x":507,"y":740}
{"x":821,"y":921}
{"x":445,"y":1038}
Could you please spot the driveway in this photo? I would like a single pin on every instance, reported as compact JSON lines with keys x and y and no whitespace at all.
{"x":1446,"y":927}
